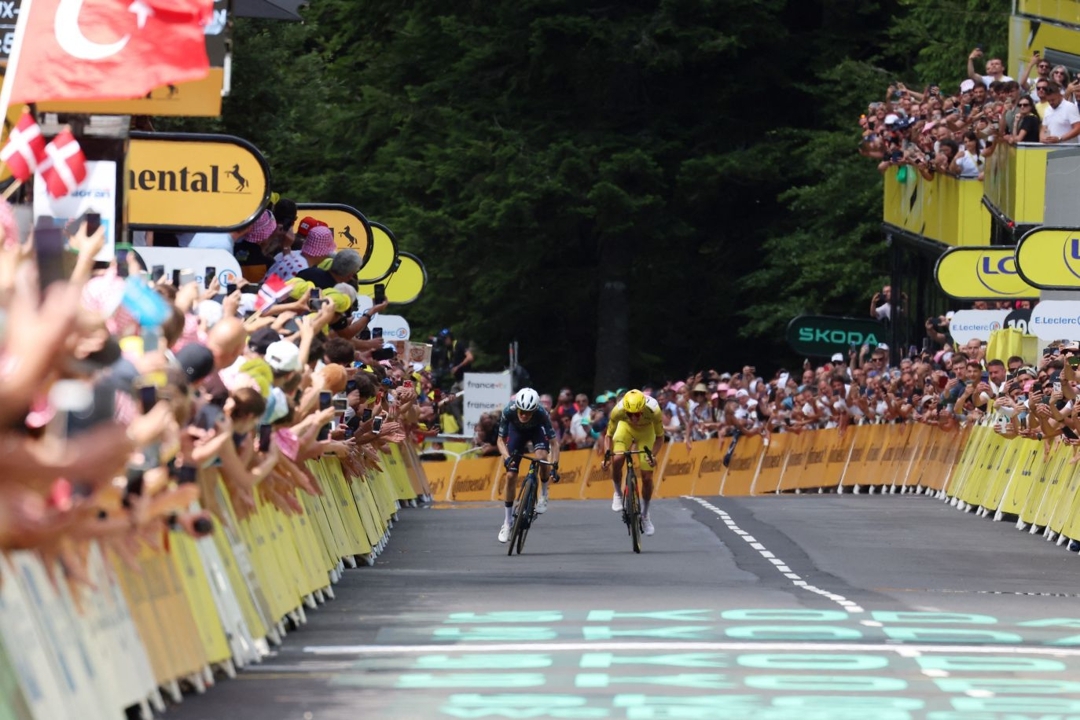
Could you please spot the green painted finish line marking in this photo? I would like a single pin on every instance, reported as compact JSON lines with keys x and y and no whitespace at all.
{"x":899,"y":649}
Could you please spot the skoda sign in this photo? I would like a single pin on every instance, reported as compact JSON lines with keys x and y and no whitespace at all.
{"x":821,"y":336}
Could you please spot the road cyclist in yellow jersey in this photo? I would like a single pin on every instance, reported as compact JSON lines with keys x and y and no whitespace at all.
{"x":636,"y":420}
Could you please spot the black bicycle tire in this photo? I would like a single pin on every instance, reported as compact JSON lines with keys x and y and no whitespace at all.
{"x":529,"y":504}
{"x":515,"y":528}
{"x":635,"y":512}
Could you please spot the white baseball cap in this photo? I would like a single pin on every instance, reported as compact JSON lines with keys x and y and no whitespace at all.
{"x":283,"y":356}
{"x":838,"y":357}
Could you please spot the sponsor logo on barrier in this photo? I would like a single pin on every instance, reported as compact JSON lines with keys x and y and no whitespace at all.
{"x":710,"y":466}
{"x":837,"y":455}
{"x":680,"y":468}
{"x":771,"y":462}
{"x":857,"y":454}
{"x":596,"y":475}
{"x":873,"y":453}
{"x":815,"y":457}
{"x":981,"y":273}
{"x":466,"y":484}
{"x":795,"y":459}
{"x":741,"y":464}
{"x":569,"y":477}
{"x":889,"y":455}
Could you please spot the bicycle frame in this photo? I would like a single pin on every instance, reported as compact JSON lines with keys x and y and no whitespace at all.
{"x":526,"y":504}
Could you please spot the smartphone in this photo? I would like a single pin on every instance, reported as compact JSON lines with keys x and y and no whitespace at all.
{"x":376,"y":333}
{"x":176,"y":278}
{"x":376,"y":426}
{"x":264,"y":436}
{"x":147,"y":397}
{"x":135,"y":484}
{"x":340,"y":404}
{"x":187,"y":475}
{"x":380,"y":294}
{"x":122,"y":250}
{"x":157,"y":272}
{"x":49,"y":249}
{"x":230,"y":288}
{"x":1074,"y":360}
{"x":93,"y":222}
{"x":1057,"y":387}
{"x":187,"y":275}
{"x":203,"y":526}
{"x":325,"y":399}
{"x":150,"y":338}
{"x":208,"y":275}
{"x":350,"y":385}
{"x":366,"y":415}
{"x":100,"y":409}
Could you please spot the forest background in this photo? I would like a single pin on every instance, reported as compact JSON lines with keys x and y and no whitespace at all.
{"x":631,"y":189}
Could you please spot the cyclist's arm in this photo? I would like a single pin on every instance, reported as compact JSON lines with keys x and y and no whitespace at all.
{"x":504,"y":430}
{"x":503,"y":450}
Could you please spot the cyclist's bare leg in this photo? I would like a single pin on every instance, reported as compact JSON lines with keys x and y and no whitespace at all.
{"x":646,"y":490}
{"x":508,"y":496}
{"x":543,"y":455}
{"x":617,"y":472}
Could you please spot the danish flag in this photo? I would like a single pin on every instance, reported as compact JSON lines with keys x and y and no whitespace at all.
{"x":65,"y":167}
{"x":272,"y":290}
{"x":25,"y":148}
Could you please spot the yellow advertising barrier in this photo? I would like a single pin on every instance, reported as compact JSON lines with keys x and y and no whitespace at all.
{"x":676,"y":470}
{"x":573,"y":469}
{"x":771,"y":466}
{"x":474,"y":479}
{"x":743,"y":465}
{"x":384,"y":253}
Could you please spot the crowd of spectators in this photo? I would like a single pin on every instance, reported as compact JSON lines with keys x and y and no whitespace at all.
{"x":939,"y":130}
{"x":119,"y":384}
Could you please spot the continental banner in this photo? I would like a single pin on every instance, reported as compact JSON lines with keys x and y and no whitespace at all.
{"x":181,"y":181}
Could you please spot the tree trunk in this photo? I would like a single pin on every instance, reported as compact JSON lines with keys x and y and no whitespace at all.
{"x":613,"y":318}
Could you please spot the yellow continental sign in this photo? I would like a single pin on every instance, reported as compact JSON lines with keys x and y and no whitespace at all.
{"x":180,"y":181}
{"x":981,"y":273}
{"x":384,"y":254}
{"x":404,"y":284}
{"x":198,"y":98}
{"x":351,"y":229}
{"x":1049,"y":257}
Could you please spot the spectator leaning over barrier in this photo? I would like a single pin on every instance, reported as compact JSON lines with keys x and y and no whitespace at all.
{"x":1061,"y":120}
{"x":342,"y":269}
{"x":1025,"y":123}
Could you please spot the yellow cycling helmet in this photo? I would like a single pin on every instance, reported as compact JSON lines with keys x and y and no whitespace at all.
{"x":634,"y":401}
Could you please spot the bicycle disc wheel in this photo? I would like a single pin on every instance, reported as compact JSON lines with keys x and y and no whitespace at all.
{"x":635,"y":514}
{"x":528,"y":505}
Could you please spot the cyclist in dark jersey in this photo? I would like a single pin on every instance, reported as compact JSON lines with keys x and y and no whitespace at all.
{"x":524,"y":421}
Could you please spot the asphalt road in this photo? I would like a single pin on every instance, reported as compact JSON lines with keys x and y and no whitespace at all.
{"x":807,"y":607}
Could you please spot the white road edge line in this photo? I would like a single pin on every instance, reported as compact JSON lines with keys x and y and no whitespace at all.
{"x":904,"y":650}
{"x":780,"y":565}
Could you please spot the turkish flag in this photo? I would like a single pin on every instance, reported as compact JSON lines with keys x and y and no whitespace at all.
{"x":25,"y":148}
{"x":64,"y":168}
{"x":108,"y":49}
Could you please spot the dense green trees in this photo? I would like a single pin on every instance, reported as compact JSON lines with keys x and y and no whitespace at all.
{"x":630,"y":189}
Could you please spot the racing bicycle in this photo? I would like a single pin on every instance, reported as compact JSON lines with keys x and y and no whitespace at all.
{"x":528,"y":494}
{"x":631,"y":513}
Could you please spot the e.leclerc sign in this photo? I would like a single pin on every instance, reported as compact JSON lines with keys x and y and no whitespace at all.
{"x":821,"y":335}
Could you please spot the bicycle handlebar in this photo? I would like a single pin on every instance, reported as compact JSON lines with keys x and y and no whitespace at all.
{"x":536,"y":460}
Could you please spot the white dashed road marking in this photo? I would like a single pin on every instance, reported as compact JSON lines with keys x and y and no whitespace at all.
{"x":780,"y":565}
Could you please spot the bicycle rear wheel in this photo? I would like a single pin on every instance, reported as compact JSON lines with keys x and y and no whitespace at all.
{"x":634,"y":512}
{"x":523,"y":516}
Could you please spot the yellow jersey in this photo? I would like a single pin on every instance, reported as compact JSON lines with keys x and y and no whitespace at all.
{"x":651,"y":415}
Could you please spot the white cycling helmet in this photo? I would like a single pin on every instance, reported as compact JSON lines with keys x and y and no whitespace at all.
{"x":527,"y":400}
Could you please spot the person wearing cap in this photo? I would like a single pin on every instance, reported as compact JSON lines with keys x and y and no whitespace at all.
{"x":256,"y":231}
{"x":318,"y":245}
{"x":343,"y":269}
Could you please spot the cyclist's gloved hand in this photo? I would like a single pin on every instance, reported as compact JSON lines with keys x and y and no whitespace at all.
{"x":648,"y":454}
{"x":508,"y":461}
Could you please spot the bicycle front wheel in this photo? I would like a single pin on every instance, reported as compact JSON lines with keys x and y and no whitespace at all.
{"x":634,"y":512}
{"x":523,"y":516}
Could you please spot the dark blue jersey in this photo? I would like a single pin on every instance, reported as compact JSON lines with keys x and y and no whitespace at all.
{"x":540,"y":419}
